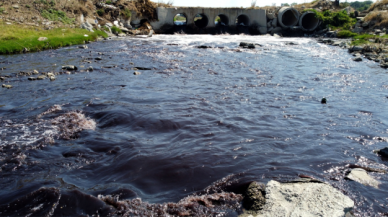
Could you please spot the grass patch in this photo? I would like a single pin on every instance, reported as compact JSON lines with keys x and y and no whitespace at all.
{"x":116,"y":30}
{"x":14,"y":38}
{"x":346,"y":34}
{"x":56,"y":15}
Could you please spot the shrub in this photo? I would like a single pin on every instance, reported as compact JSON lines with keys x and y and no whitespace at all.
{"x":101,"y":12}
{"x":335,"y":19}
{"x":346,"y":34}
{"x":108,"y":2}
{"x":28,"y":6}
{"x":2,"y":10}
{"x":116,"y":30}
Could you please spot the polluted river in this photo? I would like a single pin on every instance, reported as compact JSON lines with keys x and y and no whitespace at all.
{"x":166,"y":119}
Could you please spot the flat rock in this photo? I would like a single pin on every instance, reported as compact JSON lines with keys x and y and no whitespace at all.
{"x":32,"y":78}
{"x":7,"y":86}
{"x":361,"y":176}
{"x":304,"y":199}
{"x":357,"y":59}
{"x":42,"y":39}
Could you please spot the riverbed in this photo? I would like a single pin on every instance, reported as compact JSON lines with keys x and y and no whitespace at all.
{"x":194,"y":117}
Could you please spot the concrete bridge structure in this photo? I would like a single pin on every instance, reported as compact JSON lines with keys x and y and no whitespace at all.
{"x":234,"y":20}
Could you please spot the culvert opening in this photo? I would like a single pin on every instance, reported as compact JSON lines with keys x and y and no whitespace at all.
{"x":201,"y":20}
{"x":309,"y":22}
{"x":242,"y":20}
{"x":288,"y":17}
{"x":180,"y":20}
{"x":221,"y":20}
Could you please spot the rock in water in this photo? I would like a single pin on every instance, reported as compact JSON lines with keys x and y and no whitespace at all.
{"x":383,"y":152}
{"x":69,"y":67}
{"x":136,"y":73}
{"x":7,"y":86}
{"x":324,"y":101}
{"x":361,"y":176}
{"x":255,"y":196}
{"x":304,"y":199}
{"x":357,"y":59}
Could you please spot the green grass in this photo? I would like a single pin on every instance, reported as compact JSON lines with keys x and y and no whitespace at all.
{"x":364,"y":39}
{"x":346,"y":34}
{"x":14,"y":38}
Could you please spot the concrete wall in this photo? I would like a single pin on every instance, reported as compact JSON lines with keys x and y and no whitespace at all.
{"x":257,"y":18}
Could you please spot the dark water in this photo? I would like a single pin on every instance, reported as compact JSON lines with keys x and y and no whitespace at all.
{"x":197,"y":116}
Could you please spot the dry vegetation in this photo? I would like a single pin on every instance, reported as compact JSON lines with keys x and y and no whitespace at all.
{"x":378,"y":5}
{"x":380,"y":18}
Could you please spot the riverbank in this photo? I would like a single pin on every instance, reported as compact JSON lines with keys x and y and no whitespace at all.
{"x":16,"y":38}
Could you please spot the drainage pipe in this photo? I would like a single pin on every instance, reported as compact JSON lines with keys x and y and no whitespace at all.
{"x":308,"y":21}
{"x":288,"y":17}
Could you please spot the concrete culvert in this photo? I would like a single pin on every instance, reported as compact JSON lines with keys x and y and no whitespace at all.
{"x":242,"y":20}
{"x":180,"y":20}
{"x":221,"y":20}
{"x":308,"y":21}
{"x":201,"y":20}
{"x":288,"y":17}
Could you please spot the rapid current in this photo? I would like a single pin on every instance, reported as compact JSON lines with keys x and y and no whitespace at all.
{"x":196,"y":120}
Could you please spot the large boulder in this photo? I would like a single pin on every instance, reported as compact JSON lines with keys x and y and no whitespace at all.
{"x":275,"y":22}
{"x":304,"y":199}
{"x":262,"y":30}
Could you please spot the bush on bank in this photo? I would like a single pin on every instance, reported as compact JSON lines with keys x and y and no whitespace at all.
{"x":16,"y":38}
